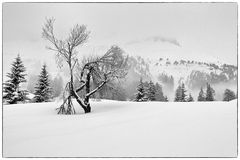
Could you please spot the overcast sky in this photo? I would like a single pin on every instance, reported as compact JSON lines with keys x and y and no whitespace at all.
{"x":204,"y":31}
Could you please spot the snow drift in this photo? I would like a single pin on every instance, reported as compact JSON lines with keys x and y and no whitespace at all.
{"x":122,"y":129}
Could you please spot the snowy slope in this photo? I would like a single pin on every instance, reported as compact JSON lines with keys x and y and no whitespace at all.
{"x":181,"y":70}
{"x":122,"y":129}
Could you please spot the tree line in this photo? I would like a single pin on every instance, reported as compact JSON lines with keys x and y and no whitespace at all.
{"x":181,"y":96}
{"x":148,"y":91}
{"x":208,"y":95}
{"x":14,"y":94}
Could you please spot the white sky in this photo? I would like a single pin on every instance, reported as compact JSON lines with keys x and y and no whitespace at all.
{"x":204,"y":31}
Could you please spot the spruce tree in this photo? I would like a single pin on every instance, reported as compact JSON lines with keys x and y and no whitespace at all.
{"x":190,"y":98}
{"x":201,"y":96}
{"x":43,"y":89}
{"x":140,"y":94}
{"x":11,"y":89}
{"x":146,"y":87}
{"x":183,"y":91}
{"x":178,"y":94}
{"x":229,"y":95}
{"x":151,"y":92}
{"x":209,"y":93}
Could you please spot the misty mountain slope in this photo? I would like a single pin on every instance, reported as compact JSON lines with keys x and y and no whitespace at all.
{"x":170,"y":73}
{"x":116,"y":129}
{"x":185,"y":70}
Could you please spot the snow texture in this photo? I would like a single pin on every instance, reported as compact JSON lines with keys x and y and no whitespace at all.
{"x":122,"y":129}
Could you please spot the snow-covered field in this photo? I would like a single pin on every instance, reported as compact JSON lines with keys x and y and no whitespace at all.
{"x":122,"y":129}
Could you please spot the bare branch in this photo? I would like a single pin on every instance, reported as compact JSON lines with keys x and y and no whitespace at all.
{"x":78,"y":99}
{"x":65,"y":48}
{"x":81,"y":87}
{"x":78,"y":35}
{"x":96,"y":89}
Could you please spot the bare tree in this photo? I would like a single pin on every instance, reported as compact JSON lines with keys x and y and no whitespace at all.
{"x":111,"y":66}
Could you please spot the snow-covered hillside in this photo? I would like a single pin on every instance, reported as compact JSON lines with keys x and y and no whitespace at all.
{"x":187,"y":71}
{"x":122,"y":129}
{"x":172,"y":72}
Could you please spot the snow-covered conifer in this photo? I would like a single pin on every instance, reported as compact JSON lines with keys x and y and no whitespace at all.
{"x":190,"y":98}
{"x":11,"y":89}
{"x":201,"y":96}
{"x":178,"y":94}
{"x":43,"y":89}
{"x":210,"y":93}
{"x":140,"y":92}
{"x":229,"y":95}
{"x":183,"y":91}
{"x":151,"y":91}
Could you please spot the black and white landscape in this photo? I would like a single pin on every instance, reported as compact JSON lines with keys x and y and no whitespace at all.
{"x":120,"y":79}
